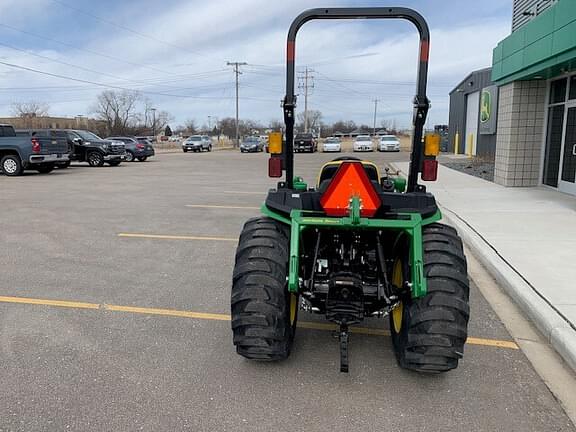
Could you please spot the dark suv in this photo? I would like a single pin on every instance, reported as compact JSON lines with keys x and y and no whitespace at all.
{"x":136,"y":148}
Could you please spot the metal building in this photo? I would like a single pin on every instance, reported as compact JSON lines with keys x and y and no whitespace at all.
{"x":472,"y":121}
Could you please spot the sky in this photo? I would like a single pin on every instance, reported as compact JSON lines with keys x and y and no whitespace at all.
{"x":65,"y":52}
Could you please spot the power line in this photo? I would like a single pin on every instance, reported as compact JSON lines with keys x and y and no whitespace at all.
{"x":85,"y":49}
{"x":111,"y":86}
{"x":130,"y":30}
{"x":237,"y":74}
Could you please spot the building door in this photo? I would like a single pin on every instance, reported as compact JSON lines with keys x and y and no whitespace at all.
{"x":472,"y":111}
{"x":567,"y":180}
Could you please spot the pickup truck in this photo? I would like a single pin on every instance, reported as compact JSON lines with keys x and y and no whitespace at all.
{"x":305,"y":142}
{"x":31,"y":152}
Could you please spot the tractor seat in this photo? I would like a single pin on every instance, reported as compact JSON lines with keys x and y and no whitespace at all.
{"x":329,"y":170}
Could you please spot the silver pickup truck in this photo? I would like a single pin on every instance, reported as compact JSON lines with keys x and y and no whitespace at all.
{"x":39,"y":152}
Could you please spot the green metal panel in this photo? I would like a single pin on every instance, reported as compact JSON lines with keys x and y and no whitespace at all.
{"x":539,"y":49}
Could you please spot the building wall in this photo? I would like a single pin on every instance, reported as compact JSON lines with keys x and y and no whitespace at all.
{"x":485,"y":144}
{"x":534,"y":7}
{"x":56,"y":123}
{"x":521,"y":111}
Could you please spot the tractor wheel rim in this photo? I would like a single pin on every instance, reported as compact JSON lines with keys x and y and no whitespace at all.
{"x":398,"y":281}
{"x":10,"y":166}
{"x":293,"y":307}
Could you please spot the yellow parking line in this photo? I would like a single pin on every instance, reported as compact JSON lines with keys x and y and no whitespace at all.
{"x":222,"y":207}
{"x":176,"y":237}
{"x":496,"y":343}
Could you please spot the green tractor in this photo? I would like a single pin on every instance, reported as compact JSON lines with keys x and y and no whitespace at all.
{"x":356,"y":246}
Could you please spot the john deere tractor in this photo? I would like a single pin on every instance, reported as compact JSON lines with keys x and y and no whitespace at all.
{"x":355,"y":246}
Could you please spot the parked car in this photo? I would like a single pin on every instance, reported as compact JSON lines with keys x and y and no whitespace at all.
{"x":29,"y":151}
{"x":389,"y":143}
{"x":197,"y":143}
{"x":363,"y":143}
{"x":251,"y":144}
{"x":305,"y":142}
{"x":332,"y":144}
{"x":174,"y":138}
{"x":136,"y":148}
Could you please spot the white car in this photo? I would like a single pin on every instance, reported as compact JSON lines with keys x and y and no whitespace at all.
{"x":363,"y":143}
{"x":389,"y":143}
{"x":332,"y":144}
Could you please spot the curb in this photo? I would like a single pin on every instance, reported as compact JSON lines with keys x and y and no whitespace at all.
{"x":555,"y":328}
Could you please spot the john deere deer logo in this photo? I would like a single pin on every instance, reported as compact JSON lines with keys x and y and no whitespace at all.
{"x":485,"y":106}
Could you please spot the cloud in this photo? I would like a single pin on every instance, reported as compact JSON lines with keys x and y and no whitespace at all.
{"x":354,"y":61}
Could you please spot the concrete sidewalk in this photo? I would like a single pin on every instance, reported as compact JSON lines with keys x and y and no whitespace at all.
{"x":526,"y":237}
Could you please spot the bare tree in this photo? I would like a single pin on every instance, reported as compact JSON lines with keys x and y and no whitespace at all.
{"x":30,"y":109}
{"x":276,"y":125}
{"x":118,"y":109}
{"x":314,"y":119}
{"x":190,"y":126}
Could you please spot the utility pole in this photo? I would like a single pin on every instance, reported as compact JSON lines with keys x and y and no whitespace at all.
{"x":376,"y":100}
{"x":306,"y":84}
{"x":237,"y":73}
{"x":153,"y":123}
{"x":210,"y":125}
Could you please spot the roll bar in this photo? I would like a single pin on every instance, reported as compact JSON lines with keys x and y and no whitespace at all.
{"x":421,"y":103}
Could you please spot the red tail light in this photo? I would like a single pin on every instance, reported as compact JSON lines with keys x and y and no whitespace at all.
{"x":350,"y":180}
{"x":275,"y":166}
{"x":35,"y":145}
{"x":140,"y":146}
{"x":429,"y":170}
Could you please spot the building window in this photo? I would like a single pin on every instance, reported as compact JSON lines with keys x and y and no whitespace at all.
{"x":558,"y":91}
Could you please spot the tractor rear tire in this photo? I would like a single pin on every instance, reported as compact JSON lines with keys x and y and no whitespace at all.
{"x":263,"y":311}
{"x":434,"y":327}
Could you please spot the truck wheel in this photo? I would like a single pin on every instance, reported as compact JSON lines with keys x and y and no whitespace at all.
{"x":142,"y":158}
{"x":45,"y":168}
{"x":11,"y":165}
{"x":129,"y":156}
{"x":114,"y":163}
{"x":264,"y":313}
{"x":429,"y":333}
{"x":95,"y":159}
{"x":210,"y":148}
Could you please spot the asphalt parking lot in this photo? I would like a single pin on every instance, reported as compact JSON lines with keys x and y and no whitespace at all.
{"x":114,"y":290}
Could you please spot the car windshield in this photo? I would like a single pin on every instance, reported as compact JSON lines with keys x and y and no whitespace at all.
{"x":195,"y":138}
{"x":251,"y":140}
{"x":304,"y":136}
{"x":393,"y":139}
{"x":88,"y":136}
{"x":332,"y":140}
{"x":363,"y":138}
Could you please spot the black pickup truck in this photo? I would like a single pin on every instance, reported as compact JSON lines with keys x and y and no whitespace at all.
{"x":27,"y":151}
{"x":89,"y":147}
{"x":305,"y":142}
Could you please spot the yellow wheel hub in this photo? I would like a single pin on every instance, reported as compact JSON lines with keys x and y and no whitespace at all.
{"x":293,"y":308}
{"x":398,"y":280}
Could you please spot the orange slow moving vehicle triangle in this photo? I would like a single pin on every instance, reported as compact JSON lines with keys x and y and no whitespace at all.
{"x":350,"y":180}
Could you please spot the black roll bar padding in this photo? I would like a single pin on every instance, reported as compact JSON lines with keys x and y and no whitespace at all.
{"x":421,"y":103}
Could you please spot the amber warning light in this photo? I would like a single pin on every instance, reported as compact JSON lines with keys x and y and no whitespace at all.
{"x":350,"y":180}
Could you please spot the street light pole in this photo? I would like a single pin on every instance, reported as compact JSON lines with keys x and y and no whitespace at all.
{"x":154,"y":124}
